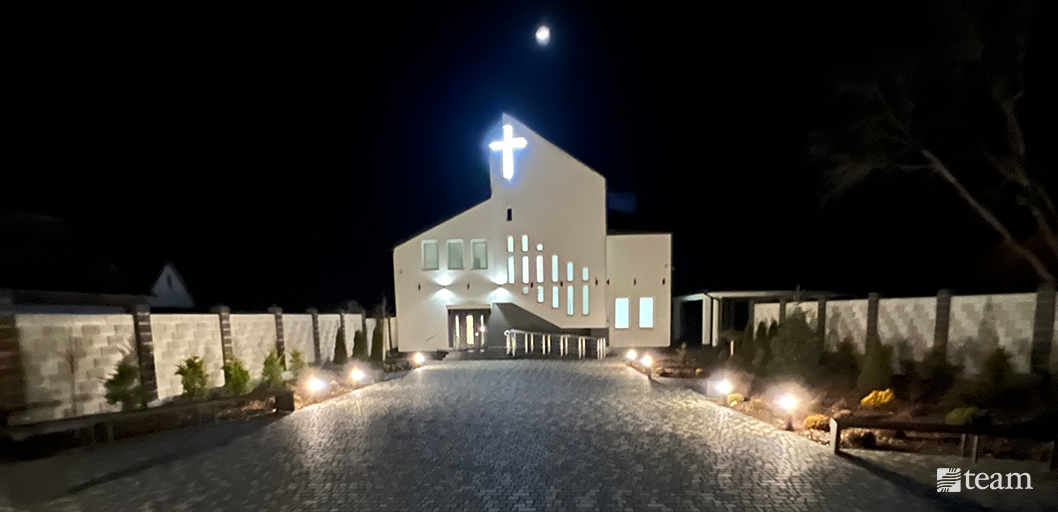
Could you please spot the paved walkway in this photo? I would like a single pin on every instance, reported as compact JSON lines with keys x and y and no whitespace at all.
{"x":478,"y":435}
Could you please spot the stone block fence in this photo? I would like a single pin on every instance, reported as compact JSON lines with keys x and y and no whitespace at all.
{"x":969,"y":327}
{"x":54,"y":360}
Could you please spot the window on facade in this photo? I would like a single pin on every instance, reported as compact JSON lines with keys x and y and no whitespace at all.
{"x":584,"y":274}
{"x":620,"y":318}
{"x":539,"y":247}
{"x":525,"y":243}
{"x":429,"y":255}
{"x":554,"y":268}
{"x":540,"y":294}
{"x":525,"y":269}
{"x":569,"y":301}
{"x":455,"y":255}
{"x":510,"y":269}
{"x":569,"y":271}
{"x":585,"y":301}
{"x":510,"y":216}
{"x":539,"y":268}
{"x":554,"y":297}
{"x":646,"y":312}
{"x":510,"y":244}
{"x":479,"y":250}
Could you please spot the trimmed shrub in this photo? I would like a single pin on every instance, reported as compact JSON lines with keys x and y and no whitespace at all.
{"x":124,"y":387}
{"x":272,"y":373}
{"x":817,"y":422}
{"x":734,"y":399}
{"x":297,"y":363}
{"x":994,"y":383}
{"x":360,"y":345}
{"x":376,"y":343}
{"x":878,"y":398}
{"x":863,"y":439}
{"x":341,"y":354}
{"x":236,"y":378}
{"x":794,"y":348}
{"x":963,"y":416}
{"x":746,"y":349}
{"x":935,"y":375}
{"x":877,"y":371}
{"x":763,"y":341}
{"x":193,"y":377}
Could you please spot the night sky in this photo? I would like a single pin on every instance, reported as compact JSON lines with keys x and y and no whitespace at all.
{"x":276,"y":155}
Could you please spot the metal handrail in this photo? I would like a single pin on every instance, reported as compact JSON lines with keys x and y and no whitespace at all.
{"x":529,"y":343}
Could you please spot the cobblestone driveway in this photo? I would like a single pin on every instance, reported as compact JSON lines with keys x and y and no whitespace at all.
{"x":477,"y":435}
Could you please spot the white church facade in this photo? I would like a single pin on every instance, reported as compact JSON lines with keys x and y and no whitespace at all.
{"x":535,"y":256}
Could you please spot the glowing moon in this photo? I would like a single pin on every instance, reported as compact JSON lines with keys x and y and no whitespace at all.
{"x":543,"y":35}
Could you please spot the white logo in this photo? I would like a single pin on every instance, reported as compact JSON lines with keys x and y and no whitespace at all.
{"x":949,"y":479}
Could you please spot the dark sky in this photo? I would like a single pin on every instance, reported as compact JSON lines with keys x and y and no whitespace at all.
{"x":278,"y":153}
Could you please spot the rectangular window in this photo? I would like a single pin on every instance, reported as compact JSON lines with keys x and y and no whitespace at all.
{"x":569,"y":300}
{"x":585,"y":300}
{"x":540,"y":294}
{"x":525,"y":243}
{"x":479,"y":254}
{"x":455,"y":255}
{"x":510,"y":244}
{"x":525,"y":269}
{"x":554,"y":297}
{"x":620,"y":317}
{"x":584,"y":274}
{"x":569,"y":271}
{"x":510,"y":269}
{"x":554,"y":268}
{"x":539,"y":268}
{"x":429,"y":255}
{"x":510,"y":216}
{"x":646,"y":312}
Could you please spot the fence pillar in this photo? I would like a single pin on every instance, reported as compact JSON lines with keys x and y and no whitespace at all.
{"x":940,"y":333}
{"x":872,"y":318}
{"x":821,"y":324}
{"x":782,"y":310}
{"x":315,"y":334}
{"x":12,"y":377}
{"x":280,"y":341}
{"x":141,"y":321}
{"x":1043,"y":330}
{"x":224,"y":315}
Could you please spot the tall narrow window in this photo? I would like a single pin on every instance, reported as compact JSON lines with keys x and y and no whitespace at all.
{"x":539,"y":268}
{"x":554,"y":268}
{"x":429,"y":255}
{"x":646,"y":312}
{"x":470,"y":329}
{"x":455,"y":255}
{"x":510,"y":216}
{"x":525,"y":269}
{"x":620,"y":317}
{"x":479,"y":254}
{"x":510,"y":269}
{"x":569,"y":301}
{"x":569,"y":271}
{"x":456,"y":344}
{"x":584,"y":274}
{"x":525,"y":243}
{"x":584,"y":299}
{"x":554,"y":297}
{"x":510,"y":244}
{"x":540,"y":294}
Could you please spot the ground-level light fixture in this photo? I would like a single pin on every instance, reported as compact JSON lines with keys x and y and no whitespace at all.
{"x":788,"y":403}
{"x":647,"y":361}
{"x":357,"y":375}
{"x":419,"y":358}
{"x":631,"y":355}
{"x":316,"y":385}
{"x":723,"y":387}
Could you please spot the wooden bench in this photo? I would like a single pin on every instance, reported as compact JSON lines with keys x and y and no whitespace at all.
{"x":970,"y":435}
{"x":284,"y":402}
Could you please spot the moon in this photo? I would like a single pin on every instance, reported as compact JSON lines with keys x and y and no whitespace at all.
{"x":543,"y":35}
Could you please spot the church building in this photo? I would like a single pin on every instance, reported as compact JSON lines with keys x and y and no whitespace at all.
{"x":536,"y":256}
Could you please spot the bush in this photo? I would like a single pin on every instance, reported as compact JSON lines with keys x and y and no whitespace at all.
{"x":964,"y":416}
{"x":297,"y":364}
{"x":863,"y":439}
{"x":842,"y":363}
{"x":734,"y":399}
{"x":746,"y":349}
{"x":272,"y":373}
{"x":994,"y":383}
{"x":360,"y":345}
{"x":236,"y":378}
{"x":763,"y":342}
{"x":878,"y":398}
{"x":817,"y":422}
{"x":124,"y":387}
{"x":341,"y":354}
{"x":935,"y":375}
{"x":794,"y":349}
{"x":877,"y":372}
{"x":193,"y":376}
{"x":376,"y":342}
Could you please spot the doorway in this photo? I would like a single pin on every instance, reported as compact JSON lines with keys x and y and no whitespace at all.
{"x":467,"y":329}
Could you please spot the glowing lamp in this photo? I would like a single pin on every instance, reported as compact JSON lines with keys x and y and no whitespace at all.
{"x":316,"y":385}
{"x":631,"y":355}
{"x":647,"y":361}
{"x":788,"y":402}
{"x":418,"y":359}
{"x":723,"y":387}
{"x":357,"y":375}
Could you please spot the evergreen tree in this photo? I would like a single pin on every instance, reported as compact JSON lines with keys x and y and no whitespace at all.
{"x":376,"y":343}
{"x":341,"y":355}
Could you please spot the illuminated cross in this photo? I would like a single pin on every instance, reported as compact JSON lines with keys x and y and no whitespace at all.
{"x":508,"y":145}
